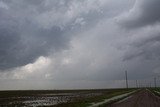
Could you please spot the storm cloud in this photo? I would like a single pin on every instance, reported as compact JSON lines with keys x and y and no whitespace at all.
{"x":143,"y":19}
{"x":144,"y":12}
{"x":84,"y":43}
{"x":22,"y":41}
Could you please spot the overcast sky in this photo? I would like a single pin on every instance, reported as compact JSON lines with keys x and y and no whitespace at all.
{"x":71,"y":44}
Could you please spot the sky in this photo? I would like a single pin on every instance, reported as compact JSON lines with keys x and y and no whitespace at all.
{"x":78,"y":44}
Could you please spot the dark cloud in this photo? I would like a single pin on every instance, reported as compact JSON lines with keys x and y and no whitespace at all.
{"x":146,"y":48}
{"x":33,"y":28}
{"x":22,"y":42}
{"x":148,"y":51}
{"x":16,"y":50}
{"x":78,"y":40}
{"x":145,"y":12}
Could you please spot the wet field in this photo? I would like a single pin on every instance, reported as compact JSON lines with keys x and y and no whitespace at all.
{"x":35,"y":98}
{"x":42,"y":98}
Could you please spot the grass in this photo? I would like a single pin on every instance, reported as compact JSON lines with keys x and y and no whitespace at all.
{"x":116,"y":100}
{"x":153,"y":91}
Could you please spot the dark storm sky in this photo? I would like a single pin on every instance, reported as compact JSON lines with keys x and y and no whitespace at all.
{"x":78,"y":40}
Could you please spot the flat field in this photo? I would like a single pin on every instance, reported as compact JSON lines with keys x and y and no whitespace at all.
{"x":57,"y":98}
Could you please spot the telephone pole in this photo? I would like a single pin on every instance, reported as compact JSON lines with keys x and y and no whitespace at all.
{"x":136,"y":83}
{"x":155,"y":84}
{"x":126,"y":79}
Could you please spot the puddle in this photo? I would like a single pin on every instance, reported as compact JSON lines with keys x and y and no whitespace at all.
{"x":36,"y":103}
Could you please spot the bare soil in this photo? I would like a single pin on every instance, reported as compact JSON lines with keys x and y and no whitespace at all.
{"x":143,"y":98}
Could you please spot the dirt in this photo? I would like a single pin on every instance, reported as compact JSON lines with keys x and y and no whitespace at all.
{"x":143,"y":98}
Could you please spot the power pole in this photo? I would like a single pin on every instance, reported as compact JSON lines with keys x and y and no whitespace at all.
{"x":150,"y":85}
{"x":155,"y":84}
{"x":126,"y":79}
{"x":136,"y":83}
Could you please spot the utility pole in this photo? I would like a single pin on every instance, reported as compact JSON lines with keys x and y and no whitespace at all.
{"x":155,"y":84}
{"x":126,"y":79}
{"x":150,"y":85}
{"x":136,"y":83}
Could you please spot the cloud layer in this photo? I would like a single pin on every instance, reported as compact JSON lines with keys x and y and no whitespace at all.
{"x":142,"y":14}
{"x":60,"y":42}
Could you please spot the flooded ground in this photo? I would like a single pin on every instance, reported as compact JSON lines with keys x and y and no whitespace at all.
{"x":58,"y":98}
{"x":42,"y":98}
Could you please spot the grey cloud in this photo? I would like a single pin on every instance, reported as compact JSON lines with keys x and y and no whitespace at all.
{"x":16,"y":50}
{"x":22,"y":42}
{"x":145,"y":12}
{"x":80,"y":40}
{"x":146,"y":46}
{"x":24,"y":38}
{"x":9,"y":43}
{"x":144,"y":16}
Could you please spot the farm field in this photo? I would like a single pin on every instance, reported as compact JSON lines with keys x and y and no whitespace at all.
{"x":57,"y":98}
